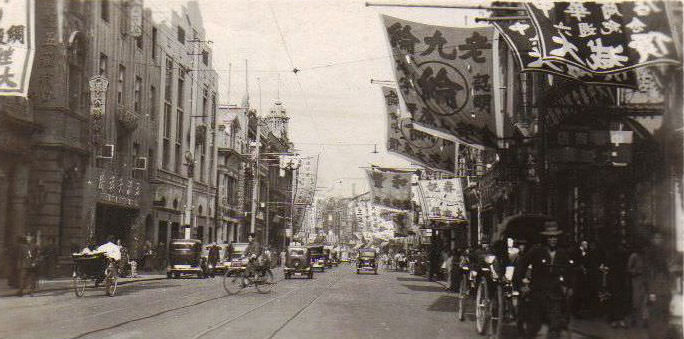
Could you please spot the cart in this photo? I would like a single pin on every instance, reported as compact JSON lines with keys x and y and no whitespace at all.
{"x":97,"y":267}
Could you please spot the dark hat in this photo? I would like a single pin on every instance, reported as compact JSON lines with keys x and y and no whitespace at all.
{"x":253,"y":235}
{"x":551,"y":228}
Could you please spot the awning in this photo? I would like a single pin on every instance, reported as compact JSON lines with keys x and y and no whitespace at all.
{"x":521,"y":226}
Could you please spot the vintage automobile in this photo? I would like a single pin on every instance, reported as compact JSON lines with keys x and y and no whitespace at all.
{"x":367,"y":261}
{"x":317,"y":258}
{"x":233,"y":261}
{"x":297,"y":262}
{"x":185,"y":257}
{"x":344,"y":256}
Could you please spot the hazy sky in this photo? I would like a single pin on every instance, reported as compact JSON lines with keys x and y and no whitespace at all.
{"x":338,"y":46}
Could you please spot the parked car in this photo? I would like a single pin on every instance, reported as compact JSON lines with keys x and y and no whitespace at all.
{"x":233,"y":261}
{"x":317,"y":258}
{"x":185,"y":257}
{"x":367,"y":261}
{"x":297,"y":262}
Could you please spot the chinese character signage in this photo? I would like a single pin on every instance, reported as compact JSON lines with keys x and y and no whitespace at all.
{"x":98,"y":94}
{"x":306,"y":180}
{"x":390,"y":188}
{"x":415,"y":145}
{"x":443,"y":199}
{"x":445,"y":77}
{"x":17,"y":46}
{"x":523,"y":39}
{"x":136,"y":13}
{"x":118,"y":190}
{"x":604,"y":38}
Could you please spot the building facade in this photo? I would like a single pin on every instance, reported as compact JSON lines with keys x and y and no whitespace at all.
{"x":184,"y":180}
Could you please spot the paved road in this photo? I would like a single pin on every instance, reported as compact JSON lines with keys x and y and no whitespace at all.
{"x":335,"y":304}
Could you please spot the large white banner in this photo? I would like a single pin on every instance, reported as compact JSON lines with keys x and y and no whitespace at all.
{"x":443,"y":199}
{"x":17,"y":46}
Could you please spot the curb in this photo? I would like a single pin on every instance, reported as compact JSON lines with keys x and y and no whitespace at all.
{"x":13,"y":292}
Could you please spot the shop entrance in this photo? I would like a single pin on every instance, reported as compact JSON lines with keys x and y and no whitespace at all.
{"x":115,"y":221}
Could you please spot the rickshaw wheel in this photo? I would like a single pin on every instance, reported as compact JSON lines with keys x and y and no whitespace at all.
{"x":462,"y":294}
{"x":496,"y":313}
{"x":265,"y":282}
{"x":110,"y":283}
{"x":482,"y":307}
{"x":79,"y":285}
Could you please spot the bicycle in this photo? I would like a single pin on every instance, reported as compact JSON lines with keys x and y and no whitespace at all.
{"x":259,"y":276}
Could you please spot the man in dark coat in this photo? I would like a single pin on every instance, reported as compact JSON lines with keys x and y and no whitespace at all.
{"x":252,"y":252}
{"x":28,"y":273}
{"x":549,"y":270}
{"x":213,"y":259}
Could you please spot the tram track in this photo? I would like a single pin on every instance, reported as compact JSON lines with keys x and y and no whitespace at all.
{"x":156,"y":314}
{"x":228,"y":321}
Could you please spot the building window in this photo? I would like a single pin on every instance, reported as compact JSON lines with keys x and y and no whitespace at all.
{"x":138,"y":95}
{"x":179,"y":159}
{"x":121,"y":82}
{"x":168,"y":82}
{"x":103,"y":64}
{"x":104,"y":10}
{"x":181,"y":89}
{"x":154,"y":42}
{"x":205,"y":99}
{"x":167,"y":119}
{"x":205,"y":58}
{"x":179,"y":125}
{"x":153,"y":103}
{"x":181,"y":35}
{"x":166,"y":154}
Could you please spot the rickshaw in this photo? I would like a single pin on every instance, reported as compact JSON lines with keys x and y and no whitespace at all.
{"x":233,"y":261}
{"x":496,"y":301}
{"x":317,"y":257}
{"x":97,"y":267}
{"x":297,"y":262}
{"x":185,"y":257}
{"x":367,"y":261}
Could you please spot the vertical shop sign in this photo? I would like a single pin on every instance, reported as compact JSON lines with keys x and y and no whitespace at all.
{"x":136,"y":14}
{"x":17,"y":46}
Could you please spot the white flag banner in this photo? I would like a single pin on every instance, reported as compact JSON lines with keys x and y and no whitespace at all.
{"x":17,"y":46}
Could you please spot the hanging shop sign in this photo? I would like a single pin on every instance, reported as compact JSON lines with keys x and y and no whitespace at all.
{"x":306,"y":180}
{"x":417,"y":146}
{"x":523,"y":39}
{"x":445,"y":77}
{"x":443,"y":199}
{"x":118,"y":190}
{"x":136,"y":14}
{"x":17,"y":46}
{"x":390,"y":187}
{"x":98,"y":96}
{"x":604,"y":38}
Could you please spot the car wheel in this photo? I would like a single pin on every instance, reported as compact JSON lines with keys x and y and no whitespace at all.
{"x":168,"y":275}
{"x":358,"y":271}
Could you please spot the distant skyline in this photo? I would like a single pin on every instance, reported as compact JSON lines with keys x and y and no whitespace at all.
{"x":337,"y":46}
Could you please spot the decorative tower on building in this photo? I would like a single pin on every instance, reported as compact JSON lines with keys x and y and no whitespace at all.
{"x":277,"y":120}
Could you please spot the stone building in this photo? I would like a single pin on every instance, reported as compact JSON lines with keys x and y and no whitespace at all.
{"x":185,"y":146}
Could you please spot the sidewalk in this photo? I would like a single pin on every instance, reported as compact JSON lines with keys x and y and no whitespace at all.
{"x":592,"y":328}
{"x":58,"y":284}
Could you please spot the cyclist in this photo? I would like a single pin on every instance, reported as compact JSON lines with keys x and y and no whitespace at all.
{"x":252,"y":253}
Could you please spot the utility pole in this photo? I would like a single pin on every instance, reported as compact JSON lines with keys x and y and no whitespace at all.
{"x":190,"y":154}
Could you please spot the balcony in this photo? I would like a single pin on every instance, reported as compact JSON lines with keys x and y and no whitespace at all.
{"x":127,"y":119}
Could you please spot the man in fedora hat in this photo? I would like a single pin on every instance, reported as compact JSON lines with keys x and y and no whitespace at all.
{"x":548,"y":269}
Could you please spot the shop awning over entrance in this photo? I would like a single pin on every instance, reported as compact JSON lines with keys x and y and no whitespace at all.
{"x":521,"y":226}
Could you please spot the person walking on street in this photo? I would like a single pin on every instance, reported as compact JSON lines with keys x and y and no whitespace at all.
{"x":635,"y":269}
{"x":213,"y":259}
{"x":28,"y":272}
{"x":657,"y":287}
{"x":582,"y":258}
{"x":618,"y":285}
{"x":550,"y":274}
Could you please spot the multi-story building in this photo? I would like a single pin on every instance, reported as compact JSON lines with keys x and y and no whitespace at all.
{"x":184,"y":177}
{"x":76,"y":174}
{"x":231,"y":139}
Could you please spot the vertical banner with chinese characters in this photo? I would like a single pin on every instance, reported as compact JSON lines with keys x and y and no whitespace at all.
{"x":390,"y":188}
{"x":443,"y":199}
{"x":135,"y":9}
{"x":523,"y":40}
{"x":17,"y":46}
{"x":445,"y":77}
{"x":306,"y":181}
{"x":604,"y":38}
{"x":415,"y":145}
{"x":98,"y":96}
